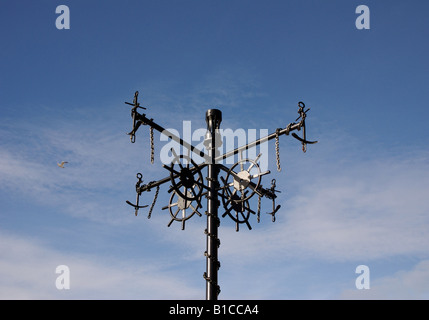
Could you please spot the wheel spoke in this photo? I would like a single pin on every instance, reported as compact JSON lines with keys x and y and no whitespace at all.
{"x":200,"y":184}
{"x":178,"y":185}
{"x":170,"y":205}
{"x":246,"y":221}
{"x":195,"y":210}
{"x":176,"y":158}
{"x":171,"y":221}
{"x":172,"y":170}
{"x":260,"y":174}
{"x":175,"y":215}
{"x":254,"y":162}
{"x":227,"y":211}
{"x":186,"y":195}
{"x":250,"y":210}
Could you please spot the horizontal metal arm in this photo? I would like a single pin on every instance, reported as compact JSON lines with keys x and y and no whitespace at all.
{"x":149,"y":186}
{"x":260,"y":191}
{"x":149,"y":122}
{"x":289,"y":128}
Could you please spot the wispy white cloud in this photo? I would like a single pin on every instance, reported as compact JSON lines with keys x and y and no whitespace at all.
{"x":27,"y":271}
{"x":347,"y":211}
{"x":226,"y":87}
{"x":375,"y":213}
{"x":230,"y":87}
{"x":101,"y":159}
{"x":378,"y":210}
{"x":101,"y":163}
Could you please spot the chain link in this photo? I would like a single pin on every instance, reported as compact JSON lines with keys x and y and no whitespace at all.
{"x":278,"y":151}
{"x":259,"y":209}
{"x":152,"y":147}
{"x":153,"y":202}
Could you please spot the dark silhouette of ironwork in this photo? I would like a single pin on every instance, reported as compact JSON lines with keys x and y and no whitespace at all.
{"x":242,"y":181}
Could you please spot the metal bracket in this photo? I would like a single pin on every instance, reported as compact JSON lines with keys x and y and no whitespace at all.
{"x":271,"y":195}
{"x":134,"y":116}
{"x":138,"y":191}
{"x":302,"y":116}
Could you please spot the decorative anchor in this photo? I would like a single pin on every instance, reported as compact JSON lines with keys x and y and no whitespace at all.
{"x":138,"y":191}
{"x":271,"y":195}
{"x":239,"y":184}
{"x":302,"y":116}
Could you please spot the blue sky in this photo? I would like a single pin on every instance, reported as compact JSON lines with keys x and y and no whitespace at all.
{"x":357,"y":197}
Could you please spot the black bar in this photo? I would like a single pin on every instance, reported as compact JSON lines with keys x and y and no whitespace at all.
{"x":169,"y":134}
{"x":213,"y":118}
{"x":289,"y":128}
{"x":153,"y":184}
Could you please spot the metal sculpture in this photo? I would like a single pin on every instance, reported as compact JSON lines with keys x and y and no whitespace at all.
{"x":241,"y":182}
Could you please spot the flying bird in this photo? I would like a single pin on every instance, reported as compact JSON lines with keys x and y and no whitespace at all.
{"x":61,"y":165}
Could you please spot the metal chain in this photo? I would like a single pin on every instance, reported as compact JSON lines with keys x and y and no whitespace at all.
{"x":152,"y":147}
{"x":278,"y":151}
{"x":242,"y":200}
{"x":153,"y":202}
{"x":259,"y":209}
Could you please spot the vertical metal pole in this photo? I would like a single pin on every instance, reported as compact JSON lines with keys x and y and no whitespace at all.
{"x":212,"y":142}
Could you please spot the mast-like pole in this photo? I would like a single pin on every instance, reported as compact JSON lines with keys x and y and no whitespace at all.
{"x":212,"y":143}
